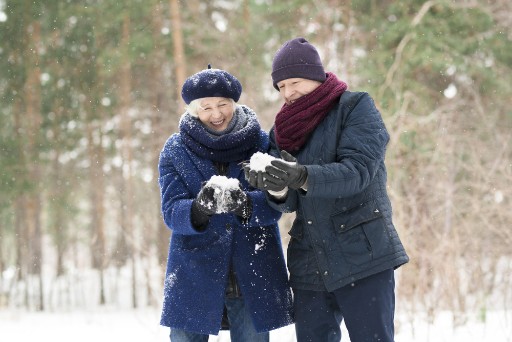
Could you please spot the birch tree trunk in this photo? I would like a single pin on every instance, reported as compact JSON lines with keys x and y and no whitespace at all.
{"x":178,"y":48}
{"x":127,"y":155}
{"x":161,"y":129}
{"x":96,"y":179}
{"x":32,"y":200}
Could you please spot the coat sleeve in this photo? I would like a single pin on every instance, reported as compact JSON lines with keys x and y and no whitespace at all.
{"x":290,"y":203}
{"x":360,"y":153}
{"x":175,"y":197}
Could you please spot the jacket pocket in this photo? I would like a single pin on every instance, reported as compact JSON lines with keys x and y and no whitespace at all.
{"x":355,"y":230}
{"x":197,"y":243}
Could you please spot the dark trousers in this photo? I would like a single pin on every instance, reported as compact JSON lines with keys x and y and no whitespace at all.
{"x":367,"y":306}
{"x":240,"y":322}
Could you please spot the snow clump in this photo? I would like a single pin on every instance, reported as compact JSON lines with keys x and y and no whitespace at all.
{"x":260,"y":160}
{"x":223,"y":187}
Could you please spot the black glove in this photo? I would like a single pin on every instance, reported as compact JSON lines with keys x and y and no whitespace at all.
{"x":285,"y":173}
{"x":255,"y":178}
{"x":261,"y":180}
{"x":206,"y":201}
{"x":236,"y":201}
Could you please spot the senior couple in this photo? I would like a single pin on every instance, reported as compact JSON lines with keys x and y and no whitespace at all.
{"x":226,"y":268}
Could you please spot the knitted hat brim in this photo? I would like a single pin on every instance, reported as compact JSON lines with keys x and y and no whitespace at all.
{"x":307,"y":71}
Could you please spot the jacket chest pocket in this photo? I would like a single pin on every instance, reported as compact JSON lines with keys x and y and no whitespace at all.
{"x":361,"y":234}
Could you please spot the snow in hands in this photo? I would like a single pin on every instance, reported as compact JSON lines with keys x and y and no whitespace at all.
{"x":260,"y":160}
{"x":223,"y":187}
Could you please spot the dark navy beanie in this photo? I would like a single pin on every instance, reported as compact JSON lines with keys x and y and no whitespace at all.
{"x":211,"y":83}
{"x":297,"y":59}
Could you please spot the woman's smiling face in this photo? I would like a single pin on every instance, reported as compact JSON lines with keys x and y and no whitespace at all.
{"x":216,"y":112}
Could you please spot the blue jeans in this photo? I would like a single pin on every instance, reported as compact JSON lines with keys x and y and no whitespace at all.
{"x":367,"y":306}
{"x":241,"y":328}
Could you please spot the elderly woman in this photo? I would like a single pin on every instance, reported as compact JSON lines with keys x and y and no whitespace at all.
{"x":225,"y":257}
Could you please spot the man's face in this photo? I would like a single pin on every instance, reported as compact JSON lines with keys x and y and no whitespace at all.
{"x":292,"y":89}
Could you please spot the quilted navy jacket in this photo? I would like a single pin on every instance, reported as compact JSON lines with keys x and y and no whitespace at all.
{"x":343,"y":230}
{"x":198,"y":262}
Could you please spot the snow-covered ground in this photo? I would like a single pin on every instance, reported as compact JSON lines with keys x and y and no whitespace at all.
{"x":142,"y":326}
{"x":73,"y":313}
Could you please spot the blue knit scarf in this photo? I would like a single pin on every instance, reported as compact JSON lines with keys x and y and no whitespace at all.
{"x":238,"y":142}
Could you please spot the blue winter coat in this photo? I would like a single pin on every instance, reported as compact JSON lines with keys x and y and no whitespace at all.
{"x":343,"y":229}
{"x":198,"y":262}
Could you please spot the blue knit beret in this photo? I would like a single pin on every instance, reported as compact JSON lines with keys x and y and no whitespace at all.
{"x":211,"y":83}
{"x":297,"y":58}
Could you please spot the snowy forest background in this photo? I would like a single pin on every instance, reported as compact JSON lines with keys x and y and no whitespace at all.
{"x":90,"y":91}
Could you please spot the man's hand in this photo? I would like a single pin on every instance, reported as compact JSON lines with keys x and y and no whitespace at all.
{"x":263,"y":181}
{"x":285,"y":172}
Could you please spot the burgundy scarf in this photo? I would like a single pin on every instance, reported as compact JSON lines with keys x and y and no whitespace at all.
{"x":296,"y":121}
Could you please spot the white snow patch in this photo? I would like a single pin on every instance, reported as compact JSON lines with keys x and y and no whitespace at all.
{"x":450,"y":91}
{"x":224,"y":183}
{"x":110,"y":324}
{"x":171,"y":280}
{"x":260,"y":160}
{"x":261,"y":243}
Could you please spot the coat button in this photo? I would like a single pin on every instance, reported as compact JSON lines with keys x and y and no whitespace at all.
{"x":326,"y":273}
{"x":342,"y":226}
{"x":228,"y":226}
{"x":310,"y":222}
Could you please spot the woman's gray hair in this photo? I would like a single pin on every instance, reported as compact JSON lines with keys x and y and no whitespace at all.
{"x":195,"y":105}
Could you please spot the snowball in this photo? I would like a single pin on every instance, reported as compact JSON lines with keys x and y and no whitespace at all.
{"x":260,"y":160}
